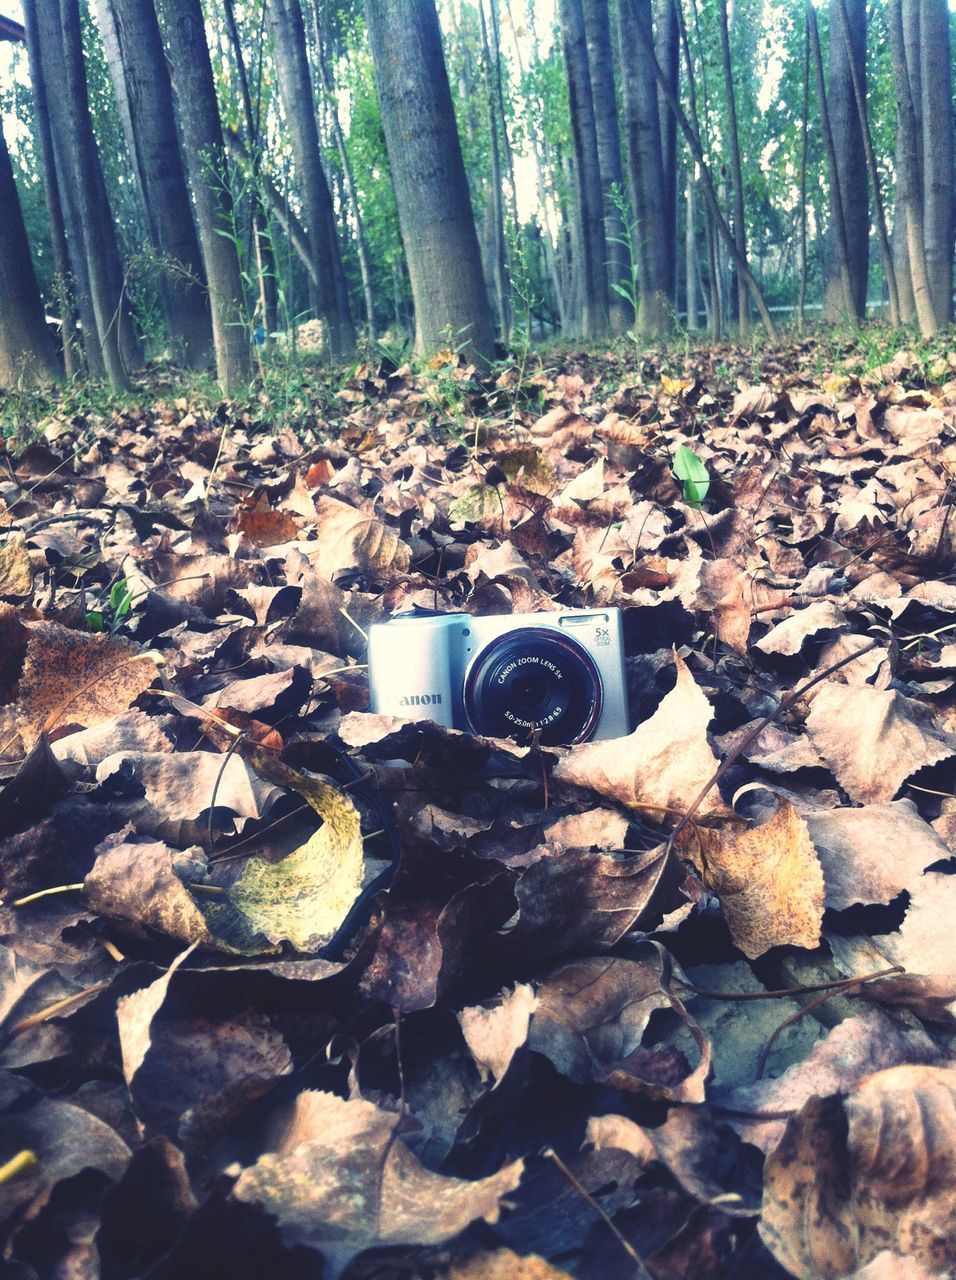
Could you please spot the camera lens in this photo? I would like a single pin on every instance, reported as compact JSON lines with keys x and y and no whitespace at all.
{"x":534,"y":682}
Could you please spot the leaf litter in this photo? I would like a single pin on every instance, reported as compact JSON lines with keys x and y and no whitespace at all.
{"x":290,"y":987}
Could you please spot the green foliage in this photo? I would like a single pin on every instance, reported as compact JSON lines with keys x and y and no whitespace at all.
{"x":118,"y":604}
{"x":693,"y":475}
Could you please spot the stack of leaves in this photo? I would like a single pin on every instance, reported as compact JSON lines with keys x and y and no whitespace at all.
{"x":288,"y":987}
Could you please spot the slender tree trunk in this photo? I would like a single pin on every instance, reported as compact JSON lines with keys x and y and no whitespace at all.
{"x":909,"y":177}
{"x":668,"y":55}
{"x":295,"y":86}
{"x":51,"y":191}
{"x":859,"y":95}
{"x":645,"y":163}
{"x":205,"y":158}
{"x":690,"y":250}
{"x":587,"y":168}
{"x":98,"y":227}
{"x":847,"y":59}
{"x":27,"y":354}
{"x":804,"y":142}
{"x":137,"y":64}
{"x":428,"y":175}
{"x":936,"y":76}
{"x":740,"y":226}
{"x":837,"y":224}
{"x":693,"y":141}
{"x":597,"y":26}
{"x":497,"y":253}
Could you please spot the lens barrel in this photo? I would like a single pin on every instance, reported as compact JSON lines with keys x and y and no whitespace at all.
{"x":534,"y":682}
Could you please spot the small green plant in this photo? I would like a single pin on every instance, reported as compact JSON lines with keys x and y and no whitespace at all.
{"x":628,"y":289}
{"x":110,"y":617}
{"x":693,"y":475}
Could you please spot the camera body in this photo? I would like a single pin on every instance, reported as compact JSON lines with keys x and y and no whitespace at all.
{"x":557,"y":677}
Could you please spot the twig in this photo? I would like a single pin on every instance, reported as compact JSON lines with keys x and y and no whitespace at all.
{"x":813,"y":1004}
{"x":22,"y":1161}
{"x":582,"y":1191}
{"x":749,"y":739}
{"x":836,"y":985}
{"x":47,"y":893}
{"x":44,"y":1015}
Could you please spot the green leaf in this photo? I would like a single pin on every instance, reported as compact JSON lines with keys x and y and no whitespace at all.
{"x":94,"y":621}
{"x":692,"y":474}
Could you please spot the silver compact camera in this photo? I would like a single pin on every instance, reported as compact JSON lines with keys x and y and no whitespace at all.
{"x":555,"y":677}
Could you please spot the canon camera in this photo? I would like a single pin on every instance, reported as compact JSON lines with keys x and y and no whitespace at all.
{"x":557,"y":678}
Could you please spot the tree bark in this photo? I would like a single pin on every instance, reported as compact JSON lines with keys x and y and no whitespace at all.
{"x":837,"y":224}
{"x":740,"y":226}
{"x":72,"y":345}
{"x":497,"y":253}
{"x":597,"y":24}
{"x":642,"y":130}
{"x":110,"y":310}
{"x":859,"y":94}
{"x":428,"y":175}
{"x":295,"y":87}
{"x":690,"y":250}
{"x":804,"y":142}
{"x":587,"y":171}
{"x":184,"y":30}
{"x":668,"y":55}
{"x":27,"y":354}
{"x":937,"y":153}
{"x":140,"y":78}
{"x":847,"y":60}
{"x":909,"y":185}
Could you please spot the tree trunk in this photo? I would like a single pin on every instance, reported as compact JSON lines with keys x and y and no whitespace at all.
{"x":740,"y":226}
{"x":27,"y":354}
{"x":497,"y":255}
{"x":587,"y":170}
{"x":51,"y":191}
{"x":597,"y":24}
{"x":937,"y":153}
{"x":109,"y":304}
{"x":690,"y":249}
{"x":859,"y":94}
{"x":837,"y":225}
{"x":642,"y":131}
{"x":428,"y":175}
{"x":909,"y":184}
{"x":804,"y":142}
{"x":140,"y":75}
{"x":295,"y":87}
{"x":848,"y":61}
{"x":668,"y":55}
{"x":185,"y":34}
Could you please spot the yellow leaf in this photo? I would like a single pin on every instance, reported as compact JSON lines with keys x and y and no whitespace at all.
{"x":304,"y":898}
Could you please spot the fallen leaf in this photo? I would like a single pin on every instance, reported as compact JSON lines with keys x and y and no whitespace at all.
{"x":73,"y":678}
{"x":342,"y":1180}
{"x":768,"y":879}
{"x":664,"y":762}
{"x":873,"y":740}
{"x":16,"y":572}
{"x":854,"y":1176}
{"x":494,"y":1033}
{"x":262,"y":524}
{"x":305,"y":897}
{"x":351,"y":539}
{"x":788,"y":637}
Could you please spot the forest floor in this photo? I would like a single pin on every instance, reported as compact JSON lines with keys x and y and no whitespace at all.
{"x":510,"y":1012}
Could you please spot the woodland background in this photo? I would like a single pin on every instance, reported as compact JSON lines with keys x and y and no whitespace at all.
{"x":192,"y":182}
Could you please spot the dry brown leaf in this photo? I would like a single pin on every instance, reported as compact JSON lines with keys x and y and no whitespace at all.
{"x":503,"y":1265}
{"x":664,"y":762}
{"x":342,"y":1180}
{"x":351,"y":539}
{"x":788,"y":637}
{"x":855,"y":1176}
{"x":871,"y":854}
{"x":263,"y":525}
{"x":148,"y":885}
{"x":16,"y":572}
{"x":768,"y":879}
{"x":874,"y":739}
{"x":494,"y":1033}
{"x":73,"y":678}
